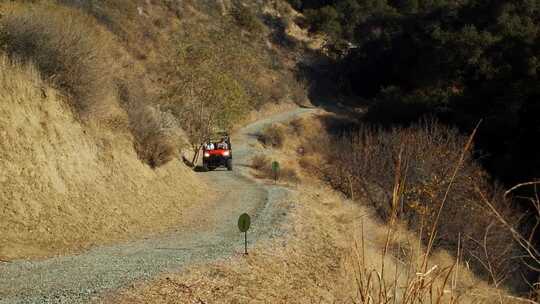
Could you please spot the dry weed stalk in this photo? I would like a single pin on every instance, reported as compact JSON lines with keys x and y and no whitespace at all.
{"x":439,"y":199}
{"x":532,"y":257}
{"x":424,"y":282}
{"x":433,"y":232}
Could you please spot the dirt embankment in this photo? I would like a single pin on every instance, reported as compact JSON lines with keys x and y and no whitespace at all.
{"x":65,"y":186}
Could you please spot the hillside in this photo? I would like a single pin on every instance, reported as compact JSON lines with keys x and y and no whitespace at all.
{"x":381,"y":193}
{"x":67,"y":186}
{"x":95,"y":114}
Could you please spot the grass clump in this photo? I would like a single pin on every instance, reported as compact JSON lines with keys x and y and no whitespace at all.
{"x":67,"y":46}
{"x":263,"y":165}
{"x":273,"y":136}
{"x":260,"y":161}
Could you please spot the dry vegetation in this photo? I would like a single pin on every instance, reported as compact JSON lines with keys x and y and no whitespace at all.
{"x":86,"y":63}
{"x":263,"y":165}
{"x":109,"y":91}
{"x":68,"y":48}
{"x":333,"y":252}
{"x":65,"y":186}
{"x":450,"y":208}
{"x":273,"y":136}
{"x":134,"y":73}
{"x":168,"y":65}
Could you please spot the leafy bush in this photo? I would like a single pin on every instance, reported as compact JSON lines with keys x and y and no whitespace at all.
{"x":325,"y":19}
{"x":68,"y":48}
{"x":205,"y":97}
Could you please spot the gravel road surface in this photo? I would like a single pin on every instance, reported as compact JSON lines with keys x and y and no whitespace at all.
{"x":81,"y":278}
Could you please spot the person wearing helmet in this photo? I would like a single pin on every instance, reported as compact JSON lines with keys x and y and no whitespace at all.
{"x":209,"y":146}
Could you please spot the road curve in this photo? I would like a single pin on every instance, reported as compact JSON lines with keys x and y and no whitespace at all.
{"x":82,"y":278}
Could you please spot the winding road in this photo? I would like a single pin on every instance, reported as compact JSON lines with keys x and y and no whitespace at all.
{"x":82,"y":278}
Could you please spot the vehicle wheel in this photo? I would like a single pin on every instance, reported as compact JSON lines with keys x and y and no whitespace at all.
{"x":205,"y":167}
{"x":229,"y":164}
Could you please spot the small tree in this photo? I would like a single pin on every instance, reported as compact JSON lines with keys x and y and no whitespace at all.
{"x":205,"y":98}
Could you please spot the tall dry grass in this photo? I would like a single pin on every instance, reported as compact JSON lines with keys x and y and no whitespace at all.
{"x":68,"y":47}
{"x":79,"y":56}
{"x":263,"y":165}
{"x":362,"y":163}
{"x":273,"y":136}
{"x":420,"y":279}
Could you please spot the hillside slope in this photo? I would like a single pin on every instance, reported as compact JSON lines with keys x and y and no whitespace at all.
{"x":97,"y":105}
{"x":67,"y":186}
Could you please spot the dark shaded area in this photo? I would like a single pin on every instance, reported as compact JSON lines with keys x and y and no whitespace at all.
{"x":278,"y":35}
{"x":461,"y":62}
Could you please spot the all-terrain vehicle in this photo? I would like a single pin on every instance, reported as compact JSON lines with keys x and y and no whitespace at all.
{"x":217,"y":152}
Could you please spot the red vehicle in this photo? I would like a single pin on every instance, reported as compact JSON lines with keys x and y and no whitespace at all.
{"x":217,"y":154}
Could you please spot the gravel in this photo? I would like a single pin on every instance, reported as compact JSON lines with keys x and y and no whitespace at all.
{"x":82,"y":278}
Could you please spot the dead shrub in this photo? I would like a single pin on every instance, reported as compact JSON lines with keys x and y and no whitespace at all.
{"x":366,"y":162}
{"x":297,"y":126}
{"x":157,"y":150}
{"x":158,"y":135}
{"x":67,"y":46}
{"x":260,"y":161}
{"x":273,"y":136}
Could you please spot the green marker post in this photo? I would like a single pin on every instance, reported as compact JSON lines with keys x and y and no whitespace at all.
{"x":275,"y":170}
{"x":244,"y":222}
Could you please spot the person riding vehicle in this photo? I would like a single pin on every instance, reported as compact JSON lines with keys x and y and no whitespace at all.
{"x":217,"y":154}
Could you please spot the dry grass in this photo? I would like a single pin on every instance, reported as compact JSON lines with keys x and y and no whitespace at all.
{"x":78,"y":54}
{"x":263,"y":165}
{"x":273,"y":136}
{"x":112,"y":63}
{"x":260,"y":162}
{"x":432,"y":169}
{"x":333,"y":252}
{"x":77,"y":42}
{"x":428,"y":154}
{"x":246,"y":17}
{"x":66,"y":186}
{"x":68,"y":47}
{"x":196,"y":54}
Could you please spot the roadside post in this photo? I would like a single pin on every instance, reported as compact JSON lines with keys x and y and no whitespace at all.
{"x":244,"y":221}
{"x":275,"y":170}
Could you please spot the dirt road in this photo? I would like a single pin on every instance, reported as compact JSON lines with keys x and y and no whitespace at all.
{"x":210,"y":233}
